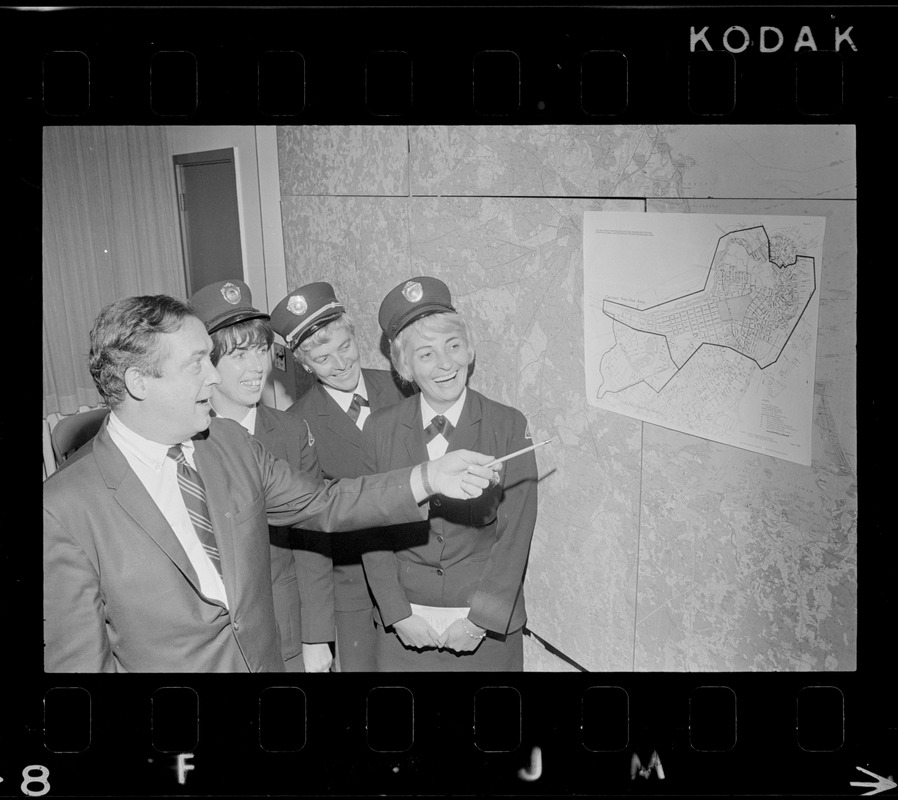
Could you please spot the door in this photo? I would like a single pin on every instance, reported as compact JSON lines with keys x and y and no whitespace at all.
{"x":210,"y":222}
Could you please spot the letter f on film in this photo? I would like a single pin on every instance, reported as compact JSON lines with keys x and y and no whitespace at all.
{"x":184,"y":767}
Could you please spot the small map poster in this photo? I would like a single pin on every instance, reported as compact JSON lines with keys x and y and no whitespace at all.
{"x":706,"y":324}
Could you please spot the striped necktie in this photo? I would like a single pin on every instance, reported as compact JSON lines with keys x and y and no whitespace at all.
{"x":194,"y":494}
{"x":355,"y":407}
{"x":439,"y":424}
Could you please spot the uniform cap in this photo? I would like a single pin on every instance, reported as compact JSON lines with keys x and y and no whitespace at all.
{"x":411,"y":300}
{"x":224,"y":303}
{"x":304,"y":311}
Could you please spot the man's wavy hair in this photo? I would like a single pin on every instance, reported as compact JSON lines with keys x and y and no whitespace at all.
{"x":126,"y":334}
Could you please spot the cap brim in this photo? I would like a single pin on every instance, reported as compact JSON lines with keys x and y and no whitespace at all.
{"x":316,"y":325}
{"x":233,"y":319}
{"x":423,"y":310}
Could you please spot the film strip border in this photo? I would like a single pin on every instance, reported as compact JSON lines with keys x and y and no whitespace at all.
{"x":534,"y":65}
{"x":569,"y":734}
{"x":456,"y":734}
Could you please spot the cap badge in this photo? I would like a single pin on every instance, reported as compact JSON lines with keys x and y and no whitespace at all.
{"x":231,"y":293}
{"x":297,"y":305}
{"x":412,"y":291}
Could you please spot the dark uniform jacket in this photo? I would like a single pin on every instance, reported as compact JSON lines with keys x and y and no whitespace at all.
{"x":469,"y":553}
{"x":338,"y":442}
{"x":302,"y":580}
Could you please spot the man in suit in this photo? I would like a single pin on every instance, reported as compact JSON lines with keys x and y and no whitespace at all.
{"x":156,"y":547}
{"x":301,"y":579}
{"x":316,"y":327}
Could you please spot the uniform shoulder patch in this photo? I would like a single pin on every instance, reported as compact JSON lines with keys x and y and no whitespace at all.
{"x":311,"y":437}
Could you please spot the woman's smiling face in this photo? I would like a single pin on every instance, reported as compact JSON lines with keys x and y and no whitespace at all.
{"x":438,"y":361}
{"x":244,"y":372}
{"x":336,"y":362}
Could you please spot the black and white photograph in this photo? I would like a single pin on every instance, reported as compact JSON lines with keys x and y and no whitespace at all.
{"x":517,"y":345}
{"x":637,"y":540}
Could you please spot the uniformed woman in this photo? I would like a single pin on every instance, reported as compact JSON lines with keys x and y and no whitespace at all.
{"x":321,"y":334}
{"x":301,"y":579}
{"x":449,"y":591}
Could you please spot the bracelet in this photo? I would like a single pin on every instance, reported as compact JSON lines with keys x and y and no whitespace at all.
{"x":427,"y":487}
{"x":464,"y":624}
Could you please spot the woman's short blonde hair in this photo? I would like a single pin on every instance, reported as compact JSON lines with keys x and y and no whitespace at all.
{"x":323,"y":335}
{"x":448,"y":322}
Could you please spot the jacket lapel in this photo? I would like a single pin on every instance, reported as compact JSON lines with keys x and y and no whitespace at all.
{"x":466,"y":435}
{"x":134,"y":499}
{"x":337,"y":419}
{"x":374,"y":387}
{"x":412,"y":431}
{"x":265,"y":431}
{"x":263,"y":424}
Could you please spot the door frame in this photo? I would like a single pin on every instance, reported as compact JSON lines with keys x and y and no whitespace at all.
{"x":225,"y":155}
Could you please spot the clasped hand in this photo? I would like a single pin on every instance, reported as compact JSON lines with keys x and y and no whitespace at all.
{"x":417,"y":632}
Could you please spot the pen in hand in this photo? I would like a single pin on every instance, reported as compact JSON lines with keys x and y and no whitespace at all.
{"x":518,"y":452}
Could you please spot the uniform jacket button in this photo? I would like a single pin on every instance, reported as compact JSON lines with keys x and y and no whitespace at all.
{"x":439,"y":572}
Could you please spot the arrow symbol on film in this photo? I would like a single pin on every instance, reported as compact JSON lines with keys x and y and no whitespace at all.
{"x":881,"y":785}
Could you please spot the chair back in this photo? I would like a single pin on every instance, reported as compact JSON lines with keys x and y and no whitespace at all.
{"x":73,"y":431}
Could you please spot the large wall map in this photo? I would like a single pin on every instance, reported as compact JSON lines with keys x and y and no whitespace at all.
{"x":705,"y":323}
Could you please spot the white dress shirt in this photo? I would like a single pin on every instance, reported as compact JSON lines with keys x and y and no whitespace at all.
{"x":344,"y":399}
{"x":159,"y":475}
{"x":437,"y":446}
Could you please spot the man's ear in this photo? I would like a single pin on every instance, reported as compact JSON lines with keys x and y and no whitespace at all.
{"x":135,"y":383}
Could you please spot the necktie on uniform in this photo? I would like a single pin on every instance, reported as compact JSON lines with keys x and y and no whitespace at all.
{"x":194,"y":494}
{"x":355,"y":407}
{"x":439,"y":424}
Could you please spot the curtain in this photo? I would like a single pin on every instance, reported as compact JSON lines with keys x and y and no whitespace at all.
{"x":110,"y":229}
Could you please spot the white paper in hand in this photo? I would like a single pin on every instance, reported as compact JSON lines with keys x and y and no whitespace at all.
{"x":439,"y":618}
